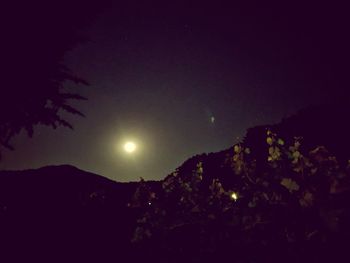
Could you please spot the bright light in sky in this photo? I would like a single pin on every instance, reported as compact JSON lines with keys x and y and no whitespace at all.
{"x":129,"y":147}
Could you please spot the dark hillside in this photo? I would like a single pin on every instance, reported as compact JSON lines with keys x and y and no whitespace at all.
{"x":61,"y":213}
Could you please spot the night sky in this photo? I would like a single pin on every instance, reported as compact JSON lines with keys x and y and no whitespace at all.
{"x":183,"y":79}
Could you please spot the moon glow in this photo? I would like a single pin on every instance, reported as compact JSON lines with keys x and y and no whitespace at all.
{"x":129,"y":147}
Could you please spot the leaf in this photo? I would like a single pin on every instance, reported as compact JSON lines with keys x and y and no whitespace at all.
{"x":307,"y":199}
{"x":152,"y":195}
{"x":297,"y":145}
{"x":280,"y":142}
{"x":72,"y":96}
{"x":63,"y":123}
{"x":274,"y":153}
{"x":314,"y":170}
{"x":290,"y":184}
{"x":237,"y":148}
{"x":70,"y":109}
{"x":265,"y":196}
{"x":252,"y":204}
{"x":296,"y":154}
{"x":298,"y":169}
{"x":195,"y":209}
{"x":269,"y":140}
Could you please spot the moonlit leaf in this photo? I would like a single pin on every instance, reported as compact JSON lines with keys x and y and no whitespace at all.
{"x":307,"y":199}
{"x":280,"y":142}
{"x":269,"y":140}
{"x":237,"y":148}
{"x":290,"y":184}
{"x":296,"y":154}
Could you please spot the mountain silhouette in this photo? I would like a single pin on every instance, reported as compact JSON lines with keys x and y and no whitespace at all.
{"x":63,"y":214}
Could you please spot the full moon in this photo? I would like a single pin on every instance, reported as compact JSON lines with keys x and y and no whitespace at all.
{"x":129,"y":147}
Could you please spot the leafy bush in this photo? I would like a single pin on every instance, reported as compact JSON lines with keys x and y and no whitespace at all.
{"x":287,"y":209}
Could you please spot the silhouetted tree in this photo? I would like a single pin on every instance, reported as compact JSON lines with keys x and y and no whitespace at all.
{"x":33,"y":44}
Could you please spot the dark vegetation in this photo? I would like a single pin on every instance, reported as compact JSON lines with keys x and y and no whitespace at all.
{"x":284,"y":199}
{"x":268,"y":199}
{"x":62,"y":214}
{"x":34,"y":41}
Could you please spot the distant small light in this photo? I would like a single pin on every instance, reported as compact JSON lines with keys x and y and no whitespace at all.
{"x":149,"y":203}
{"x":212,"y":119}
{"x":234,"y":196}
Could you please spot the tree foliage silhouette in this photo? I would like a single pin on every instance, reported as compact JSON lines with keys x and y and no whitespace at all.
{"x":34,"y":44}
{"x":284,"y":210}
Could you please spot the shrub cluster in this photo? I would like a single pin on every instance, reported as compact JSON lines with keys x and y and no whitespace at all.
{"x":289,"y":208}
